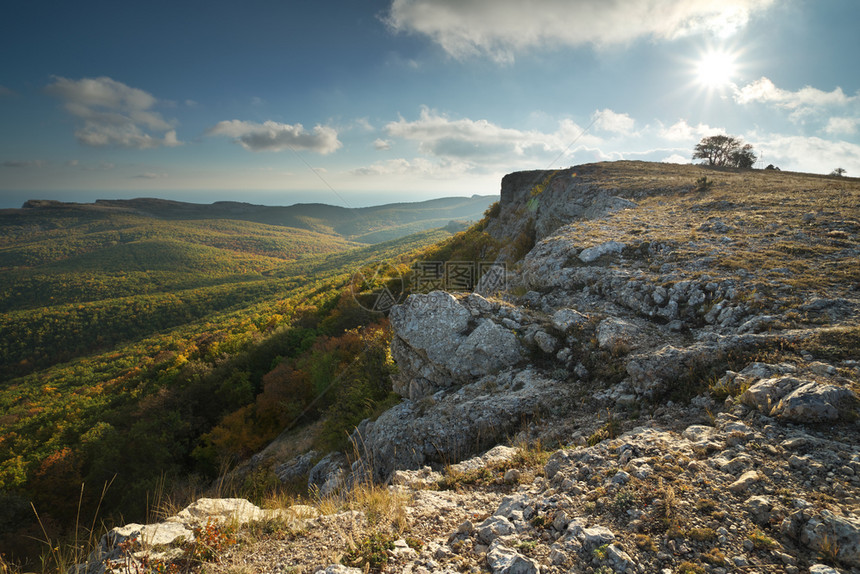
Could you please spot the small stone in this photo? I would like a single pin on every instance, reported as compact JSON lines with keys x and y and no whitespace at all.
{"x":546,"y":342}
{"x":594,"y":253}
{"x":493,"y":527}
{"x":565,"y":319}
{"x":746,"y":480}
{"x":503,"y":560}
{"x":512,"y":475}
{"x":466,"y":527}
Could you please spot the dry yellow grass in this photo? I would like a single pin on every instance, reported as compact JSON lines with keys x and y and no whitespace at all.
{"x":790,"y":231}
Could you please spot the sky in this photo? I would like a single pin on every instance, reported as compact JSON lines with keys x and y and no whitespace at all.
{"x":360,"y":102}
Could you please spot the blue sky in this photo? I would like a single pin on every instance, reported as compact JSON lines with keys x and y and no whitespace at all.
{"x":354,"y":102}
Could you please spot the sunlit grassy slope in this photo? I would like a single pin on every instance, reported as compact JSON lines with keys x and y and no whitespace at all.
{"x":125,"y":336}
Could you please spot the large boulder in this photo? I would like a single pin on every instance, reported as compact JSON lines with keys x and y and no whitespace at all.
{"x":504,"y":560}
{"x":439,"y":342}
{"x":798,"y":400}
{"x":296,"y":467}
{"x":328,"y":475}
{"x":448,"y":427}
{"x":826,"y":532}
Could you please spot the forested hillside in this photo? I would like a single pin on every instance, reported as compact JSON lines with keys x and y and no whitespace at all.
{"x":144,"y":345}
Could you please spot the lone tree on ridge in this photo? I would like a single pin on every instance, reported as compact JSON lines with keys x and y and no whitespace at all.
{"x":725,"y":151}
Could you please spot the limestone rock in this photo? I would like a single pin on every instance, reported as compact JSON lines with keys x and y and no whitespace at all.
{"x":619,"y":559}
{"x":161,"y":534}
{"x":760,"y":508}
{"x":566,"y":319}
{"x":826,"y":532}
{"x":798,"y":400}
{"x":236,"y":510}
{"x":814,"y":402}
{"x":423,"y":478}
{"x":452,"y":426}
{"x":296,"y":467}
{"x":594,"y":253}
{"x":766,"y":394}
{"x":746,"y":480}
{"x":438,"y":343}
{"x":546,"y":342}
{"x":503,"y":560}
{"x":328,"y":474}
{"x":493,"y":527}
{"x":487,"y":349}
{"x":338,"y":569}
{"x":615,"y":334}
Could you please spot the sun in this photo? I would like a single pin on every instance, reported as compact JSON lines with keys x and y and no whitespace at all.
{"x":716,"y":69}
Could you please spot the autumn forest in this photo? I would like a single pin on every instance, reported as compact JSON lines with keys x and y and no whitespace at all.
{"x":148,"y":345}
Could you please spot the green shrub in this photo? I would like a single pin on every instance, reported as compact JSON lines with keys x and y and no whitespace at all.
{"x":371,"y":553}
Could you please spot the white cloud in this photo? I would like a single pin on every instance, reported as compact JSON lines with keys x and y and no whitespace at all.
{"x":150,"y":175}
{"x":809,"y":154}
{"x":610,"y":121}
{"x":846,"y":126}
{"x":682,"y":131}
{"x":113,"y":113}
{"x":274,"y":136}
{"x":485,"y":142}
{"x":765,"y":91}
{"x":500,"y":28}
{"x":381,"y":144}
{"x":675,"y":158}
{"x":364,"y":123}
{"x":420,"y":167}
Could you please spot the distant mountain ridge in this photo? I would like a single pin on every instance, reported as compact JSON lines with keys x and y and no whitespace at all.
{"x":363,"y":225}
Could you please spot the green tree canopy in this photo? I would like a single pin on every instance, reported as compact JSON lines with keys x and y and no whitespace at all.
{"x":725,"y":151}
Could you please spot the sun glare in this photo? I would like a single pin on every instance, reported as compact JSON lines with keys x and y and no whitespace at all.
{"x":715,"y":69}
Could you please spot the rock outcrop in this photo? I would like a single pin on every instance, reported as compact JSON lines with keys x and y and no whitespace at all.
{"x":679,"y":352}
{"x":441,"y":341}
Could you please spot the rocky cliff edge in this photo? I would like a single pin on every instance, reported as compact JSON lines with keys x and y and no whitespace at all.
{"x":682,"y":342}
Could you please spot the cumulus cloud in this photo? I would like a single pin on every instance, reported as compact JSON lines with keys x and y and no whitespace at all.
{"x":675,"y":158}
{"x":500,"y":28}
{"x":682,"y":131}
{"x":609,"y":121}
{"x":846,"y":126}
{"x":810,"y":154}
{"x":381,"y":144}
{"x":113,"y":113}
{"x":274,"y":136}
{"x":484,"y":141}
{"x":765,"y":91}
